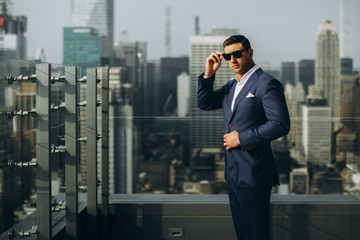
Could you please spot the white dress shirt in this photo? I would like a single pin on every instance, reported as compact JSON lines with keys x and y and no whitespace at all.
{"x":240,"y":84}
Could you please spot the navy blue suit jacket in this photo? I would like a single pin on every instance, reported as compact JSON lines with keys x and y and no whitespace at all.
{"x":259,"y":120}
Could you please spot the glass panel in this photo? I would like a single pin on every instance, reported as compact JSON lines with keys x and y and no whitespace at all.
{"x":58,"y":134}
{"x":82,"y":131}
{"x":158,"y":153}
{"x":159,"y":141}
{"x":17,"y":146}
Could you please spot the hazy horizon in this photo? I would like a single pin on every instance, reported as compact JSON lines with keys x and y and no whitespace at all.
{"x":280,"y":30}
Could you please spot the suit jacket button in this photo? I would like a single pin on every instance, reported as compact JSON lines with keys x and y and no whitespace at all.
{"x":230,"y":125}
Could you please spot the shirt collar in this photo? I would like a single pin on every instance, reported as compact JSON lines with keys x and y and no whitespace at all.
{"x":248,"y":74}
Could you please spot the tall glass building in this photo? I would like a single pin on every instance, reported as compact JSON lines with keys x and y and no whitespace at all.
{"x":82,"y":47}
{"x":98,"y":14}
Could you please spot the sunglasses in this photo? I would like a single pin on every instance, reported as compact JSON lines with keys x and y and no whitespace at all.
{"x":236,"y":54}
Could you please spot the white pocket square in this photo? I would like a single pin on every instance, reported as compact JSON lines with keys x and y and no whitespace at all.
{"x":250,"y":95}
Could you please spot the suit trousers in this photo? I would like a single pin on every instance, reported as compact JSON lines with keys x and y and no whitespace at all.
{"x":250,"y":208}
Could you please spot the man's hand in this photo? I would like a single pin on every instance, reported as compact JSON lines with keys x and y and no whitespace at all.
{"x":213,"y":63}
{"x":231,"y":140}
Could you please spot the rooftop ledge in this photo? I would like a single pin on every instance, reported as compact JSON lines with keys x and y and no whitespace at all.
{"x":177,"y":207}
{"x":223,"y":198}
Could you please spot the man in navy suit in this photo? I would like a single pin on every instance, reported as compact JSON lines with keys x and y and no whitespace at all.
{"x":255,"y":113}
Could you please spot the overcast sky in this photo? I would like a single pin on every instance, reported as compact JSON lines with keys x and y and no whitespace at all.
{"x":279,"y":30}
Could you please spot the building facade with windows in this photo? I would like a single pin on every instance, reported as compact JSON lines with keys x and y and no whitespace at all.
{"x":81,"y":48}
{"x":206,"y":130}
{"x":99,"y":15}
{"x":327,"y":67}
{"x":316,"y":134}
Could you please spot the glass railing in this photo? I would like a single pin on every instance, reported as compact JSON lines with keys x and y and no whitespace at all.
{"x":157,"y":142}
{"x":17,"y":146}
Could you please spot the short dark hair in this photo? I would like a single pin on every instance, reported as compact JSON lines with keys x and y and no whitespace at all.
{"x":237,"y":39}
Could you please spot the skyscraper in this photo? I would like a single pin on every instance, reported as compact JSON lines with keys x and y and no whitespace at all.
{"x":183,"y":94}
{"x":12,"y":37}
{"x":327,"y":67}
{"x":356,"y":111}
{"x":133,"y":56}
{"x":345,"y":29}
{"x":347,"y":85}
{"x":81,"y":48}
{"x":98,"y":14}
{"x":306,"y":73}
{"x":288,"y":70}
{"x":121,"y":133}
{"x":295,"y":96}
{"x":206,"y":130}
{"x":170,"y":68}
{"x":345,"y":37}
{"x":316,"y":133}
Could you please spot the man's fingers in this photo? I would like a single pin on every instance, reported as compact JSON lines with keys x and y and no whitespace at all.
{"x":217,"y":55}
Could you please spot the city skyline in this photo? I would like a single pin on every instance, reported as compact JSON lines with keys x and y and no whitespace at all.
{"x":286,"y":38}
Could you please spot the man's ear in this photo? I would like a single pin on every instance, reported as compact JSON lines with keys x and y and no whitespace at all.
{"x":251,"y":52}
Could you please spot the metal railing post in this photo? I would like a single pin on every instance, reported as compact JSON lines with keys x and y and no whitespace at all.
{"x":43,"y":151}
{"x":91,"y":153}
{"x":72,"y":155}
{"x":105,"y":154}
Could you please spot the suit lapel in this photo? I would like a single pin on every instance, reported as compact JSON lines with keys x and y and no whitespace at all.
{"x":229,"y":100}
{"x":245,"y":90}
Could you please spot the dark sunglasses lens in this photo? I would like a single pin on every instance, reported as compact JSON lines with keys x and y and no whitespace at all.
{"x":237,"y":54}
{"x":227,"y":56}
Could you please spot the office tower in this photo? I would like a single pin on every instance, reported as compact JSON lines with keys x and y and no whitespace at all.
{"x":168,"y":31}
{"x":316,"y":132}
{"x":299,"y":181}
{"x":81,"y":48}
{"x":356,"y":111}
{"x":345,"y":37}
{"x":99,"y":15}
{"x":327,"y":68}
{"x":295,"y":97}
{"x":133,"y":56}
{"x":154,"y":88}
{"x":345,"y":29}
{"x":346,"y":66}
{"x":345,"y":142}
{"x":288,"y":70}
{"x":197,"y":25}
{"x":206,"y":130}
{"x":170,"y":68}
{"x":12,"y":37}
{"x":121,"y":174}
{"x":183,"y":94}
{"x":306,"y":70}
{"x":347,"y":84}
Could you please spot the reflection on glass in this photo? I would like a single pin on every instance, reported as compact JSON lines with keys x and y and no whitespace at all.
{"x":17,"y":145}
